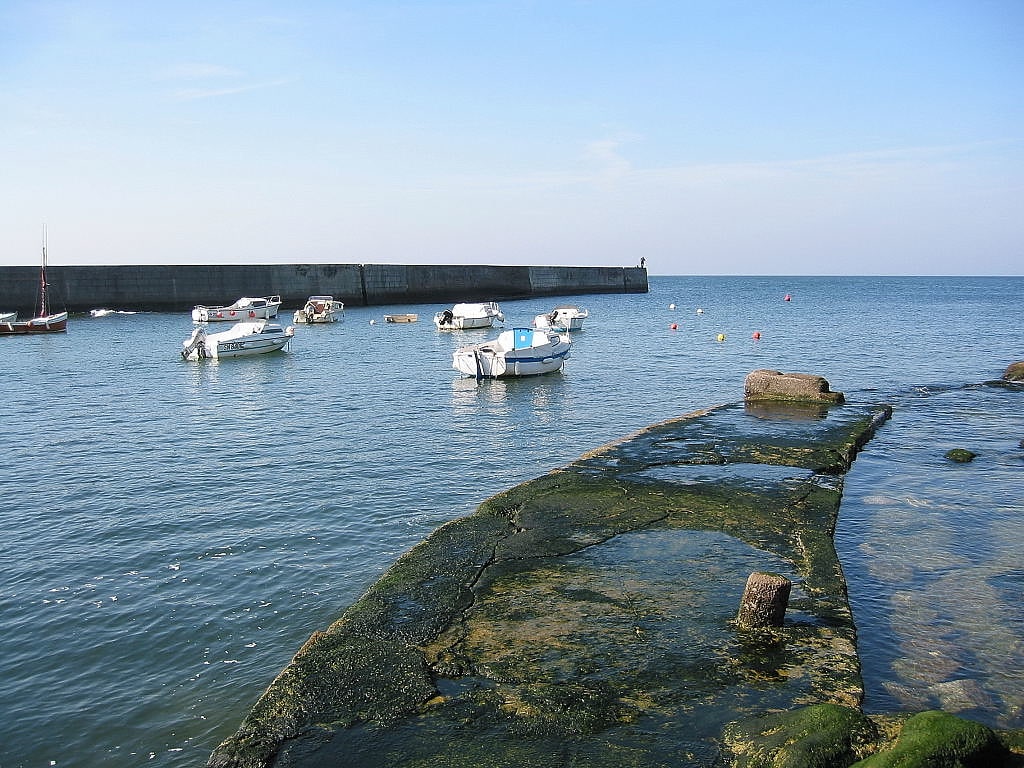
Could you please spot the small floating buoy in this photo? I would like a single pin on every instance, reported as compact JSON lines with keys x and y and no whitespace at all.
{"x":671,"y":306}
{"x":720,"y":337}
{"x":674,"y":326}
{"x":700,"y":311}
{"x":373,"y":322}
{"x":755,"y":335}
{"x":788,"y":298}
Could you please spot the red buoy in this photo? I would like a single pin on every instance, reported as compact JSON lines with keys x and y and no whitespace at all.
{"x":756,"y":335}
{"x":788,"y":297}
{"x":674,"y":326}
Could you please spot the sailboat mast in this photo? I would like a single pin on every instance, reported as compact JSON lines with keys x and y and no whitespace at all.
{"x":42,"y":280}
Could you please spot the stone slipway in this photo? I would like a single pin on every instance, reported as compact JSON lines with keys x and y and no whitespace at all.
{"x":586,"y":617}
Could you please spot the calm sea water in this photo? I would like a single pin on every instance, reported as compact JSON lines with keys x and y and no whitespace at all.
{"x":175,"y":531}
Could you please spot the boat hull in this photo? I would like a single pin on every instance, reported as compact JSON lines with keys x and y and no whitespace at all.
{"x":57,"y":323}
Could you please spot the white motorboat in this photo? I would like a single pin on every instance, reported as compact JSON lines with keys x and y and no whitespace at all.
{"x":320,"y":309}
{"x":246,"y":308}
{"x":564,"y":317}
{"x":517,"y":352}
{"x":249,"y":337}
{"x":8,"y":317}
{"x":469,"y":315}
{"x":408,"y":317}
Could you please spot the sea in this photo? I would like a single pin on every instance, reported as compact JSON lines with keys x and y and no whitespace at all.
{"x":176,"y":530}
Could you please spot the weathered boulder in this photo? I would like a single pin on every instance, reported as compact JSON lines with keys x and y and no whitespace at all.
{"x":765,"y":384}
{"x":1014,"y":372}
{"x":937,"y":739}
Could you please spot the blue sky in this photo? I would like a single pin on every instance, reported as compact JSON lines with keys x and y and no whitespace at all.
{"x":725,"y":137}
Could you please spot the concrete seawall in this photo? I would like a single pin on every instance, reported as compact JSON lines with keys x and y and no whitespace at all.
{"x":174,"y":288}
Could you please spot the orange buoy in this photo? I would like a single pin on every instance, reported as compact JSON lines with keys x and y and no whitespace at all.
{"x":674,"y":326}
{"x":756,"y":335}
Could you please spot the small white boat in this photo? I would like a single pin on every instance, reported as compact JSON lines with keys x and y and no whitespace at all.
{"x":564,"y":317}
{"x":8,"y":317}
{"x":246,"y":308}
{"x":249,"y":337}
{"x":517,"y":352}
{"x":404,"y":318}
{"x":320,"y":309}
{"x":108,"y":312}
{"x":469,"y":315}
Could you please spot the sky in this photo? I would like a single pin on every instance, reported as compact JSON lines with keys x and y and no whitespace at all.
{"x":825,"y":137}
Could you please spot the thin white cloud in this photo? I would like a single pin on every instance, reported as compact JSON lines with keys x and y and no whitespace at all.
{"x":192,"y":94}
{"x":199,"y":71}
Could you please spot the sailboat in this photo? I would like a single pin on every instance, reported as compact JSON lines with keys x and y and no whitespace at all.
{"x":45,"y":321}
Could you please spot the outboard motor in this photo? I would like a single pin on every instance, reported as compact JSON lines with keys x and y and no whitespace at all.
{"x":196,"y":343}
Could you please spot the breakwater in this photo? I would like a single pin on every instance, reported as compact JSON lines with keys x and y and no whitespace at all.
{"x":172,"y":288}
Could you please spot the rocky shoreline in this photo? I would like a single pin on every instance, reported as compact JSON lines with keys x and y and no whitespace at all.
{"x":587,"y":617}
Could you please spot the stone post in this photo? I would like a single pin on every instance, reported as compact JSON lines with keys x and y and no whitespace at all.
{"x":764,"y":600}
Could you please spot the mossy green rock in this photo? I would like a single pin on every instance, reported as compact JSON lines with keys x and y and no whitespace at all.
{"x":818,"y":736}
{"x":960,"y":455}
{"x":940,"y":740}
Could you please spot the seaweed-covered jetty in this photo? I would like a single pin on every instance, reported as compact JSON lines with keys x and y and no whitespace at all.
{"x":587,"y":617}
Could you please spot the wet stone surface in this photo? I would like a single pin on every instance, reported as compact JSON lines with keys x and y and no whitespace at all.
{"x":587,"y":616}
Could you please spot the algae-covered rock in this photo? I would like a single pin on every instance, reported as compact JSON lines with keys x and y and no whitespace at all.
{"x":960,"y":455}
{"x":817,"y":736}
{"x":939,"y":740}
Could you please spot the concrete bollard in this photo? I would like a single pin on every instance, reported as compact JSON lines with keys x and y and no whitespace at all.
{"x":764,"y":600}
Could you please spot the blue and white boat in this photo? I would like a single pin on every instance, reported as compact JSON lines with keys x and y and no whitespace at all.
{"x":516,"y":352}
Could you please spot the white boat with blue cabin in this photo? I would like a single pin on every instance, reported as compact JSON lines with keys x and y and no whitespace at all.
{"x":249,"y":337}
{"x":516,"y":352}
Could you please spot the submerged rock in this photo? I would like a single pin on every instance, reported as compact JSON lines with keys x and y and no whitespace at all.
{"x":960,"y":455}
